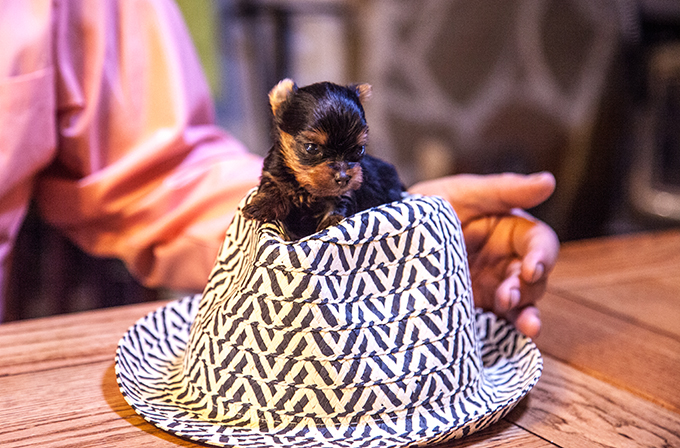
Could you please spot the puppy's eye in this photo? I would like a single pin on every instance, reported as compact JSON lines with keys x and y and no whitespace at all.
{"x":311,"y":148}
{"x":357,"y":154}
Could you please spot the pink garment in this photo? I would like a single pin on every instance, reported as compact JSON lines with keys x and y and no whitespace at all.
{"x":106,"y":120}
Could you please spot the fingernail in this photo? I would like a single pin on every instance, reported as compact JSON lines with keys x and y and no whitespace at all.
{"x":539,"y":270}
{"x":514,"y":298}
{"x":544,"y":177}
{"x":541,"y":174}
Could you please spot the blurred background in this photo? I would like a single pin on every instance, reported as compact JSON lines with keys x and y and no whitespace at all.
{"x":586,"y":89}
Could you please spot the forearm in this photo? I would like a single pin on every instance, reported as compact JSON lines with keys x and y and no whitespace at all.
{"x":141,"y":172}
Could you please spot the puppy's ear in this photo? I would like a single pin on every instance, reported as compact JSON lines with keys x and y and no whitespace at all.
{"x":363,"y":91}
{"x":280,"y":93}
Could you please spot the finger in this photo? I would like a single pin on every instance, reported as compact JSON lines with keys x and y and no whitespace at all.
{"x":508,"y":191}
{"x":514,"y":294}
{"x":527,"y":320}
{"x":477,"y":195}
{"x":508,"y":293}
{"x":537,"y":246}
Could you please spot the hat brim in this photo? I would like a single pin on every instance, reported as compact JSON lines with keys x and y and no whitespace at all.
{"x":149,"y":357}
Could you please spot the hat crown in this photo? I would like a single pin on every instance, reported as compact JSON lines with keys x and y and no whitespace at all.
{"x":368,"y":318}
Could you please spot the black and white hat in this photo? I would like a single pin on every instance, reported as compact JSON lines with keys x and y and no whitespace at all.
{"x":362,"y":335}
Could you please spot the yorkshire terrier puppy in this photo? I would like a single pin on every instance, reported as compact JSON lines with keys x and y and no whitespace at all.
{"x":317,"y":172}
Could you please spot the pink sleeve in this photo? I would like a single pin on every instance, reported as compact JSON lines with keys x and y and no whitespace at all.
{"x":141,"y":171}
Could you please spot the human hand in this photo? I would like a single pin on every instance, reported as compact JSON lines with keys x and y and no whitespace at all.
{"x":510,"y":252}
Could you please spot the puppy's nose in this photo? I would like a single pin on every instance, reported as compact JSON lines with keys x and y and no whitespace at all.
{"x":342,"y":178}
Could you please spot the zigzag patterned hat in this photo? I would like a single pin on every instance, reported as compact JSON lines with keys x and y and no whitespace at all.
{"x":362,"y":335}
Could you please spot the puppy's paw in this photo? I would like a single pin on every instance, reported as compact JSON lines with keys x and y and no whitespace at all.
{"x":330,"y":219}
{"x":264,"y":208}
{"x":252,"y":211}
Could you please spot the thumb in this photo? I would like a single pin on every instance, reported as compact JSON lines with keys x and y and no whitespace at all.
{"x":478,"y":195}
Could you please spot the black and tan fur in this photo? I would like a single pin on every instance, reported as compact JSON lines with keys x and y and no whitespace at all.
{"x":317,"y":172}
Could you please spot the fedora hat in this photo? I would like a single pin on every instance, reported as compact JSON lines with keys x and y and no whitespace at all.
{"x":363,"y":334}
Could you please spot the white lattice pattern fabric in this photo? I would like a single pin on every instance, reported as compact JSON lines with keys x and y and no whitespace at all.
{"x":361,"y":335}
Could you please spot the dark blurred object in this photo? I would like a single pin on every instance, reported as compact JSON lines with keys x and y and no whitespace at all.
{"x":50,"y":275}
{"x":655,"y":170}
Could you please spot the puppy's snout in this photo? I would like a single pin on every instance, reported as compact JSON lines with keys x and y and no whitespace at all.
{"x":341,"y":176}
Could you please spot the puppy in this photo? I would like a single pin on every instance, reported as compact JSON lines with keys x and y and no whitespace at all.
{"x":317,"y":172}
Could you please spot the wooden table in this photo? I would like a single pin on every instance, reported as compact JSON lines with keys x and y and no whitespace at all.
{"x":611,"y":346}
